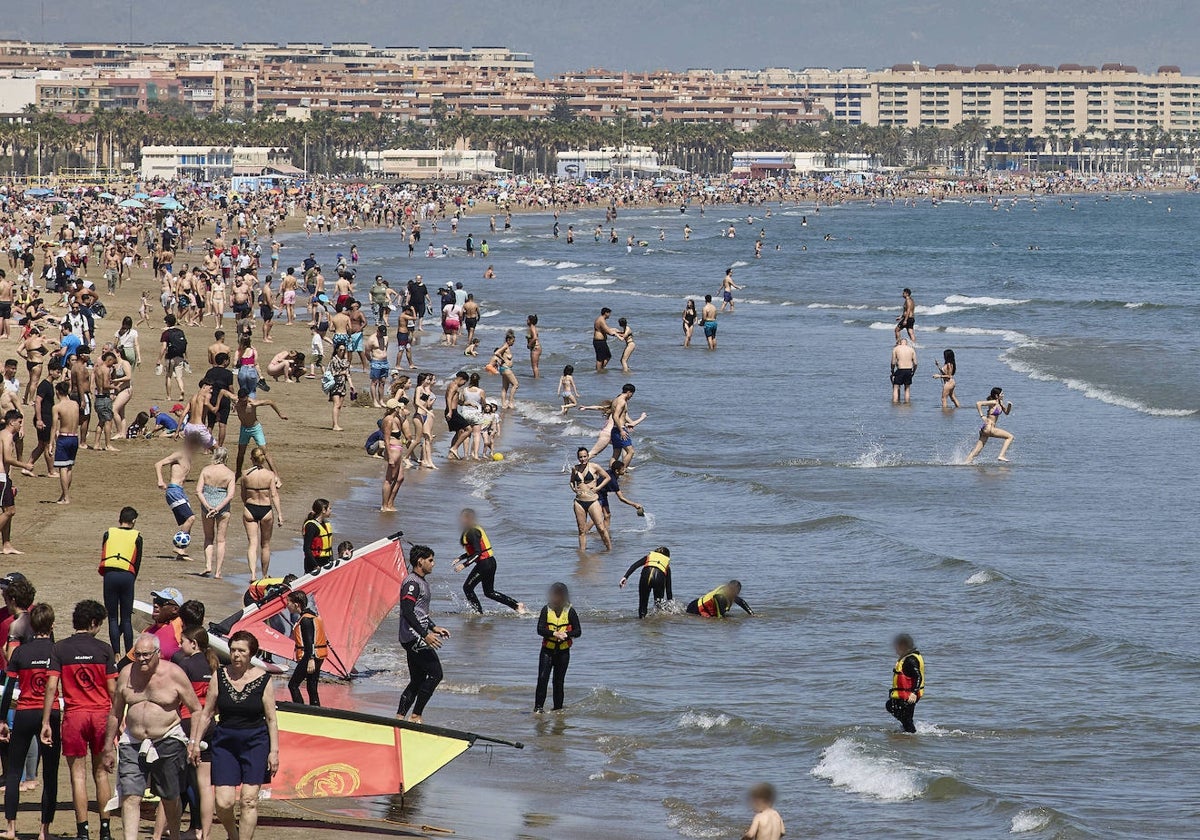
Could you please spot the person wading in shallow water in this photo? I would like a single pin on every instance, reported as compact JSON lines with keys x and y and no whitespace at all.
{"x":908,"y":682}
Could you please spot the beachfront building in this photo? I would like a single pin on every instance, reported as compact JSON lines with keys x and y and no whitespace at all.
{"x":442,"y":164}
{"x":625,"y":161}
{"x":206,"y":163}
{"x":783,"y":164}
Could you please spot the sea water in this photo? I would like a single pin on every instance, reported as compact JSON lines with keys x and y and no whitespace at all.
{"x":1053,"y":597}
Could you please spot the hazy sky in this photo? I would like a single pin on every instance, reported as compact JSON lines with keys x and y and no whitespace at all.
{"x":647,"y":34}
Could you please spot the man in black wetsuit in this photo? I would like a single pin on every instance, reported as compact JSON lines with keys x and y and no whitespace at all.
{"x":908,"y":682}
{"x":655,"y":577}
{"x":478,"y":554}
{"x":419,"y":636}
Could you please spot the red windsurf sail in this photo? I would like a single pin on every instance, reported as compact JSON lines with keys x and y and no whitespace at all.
{"x":353,"y":597}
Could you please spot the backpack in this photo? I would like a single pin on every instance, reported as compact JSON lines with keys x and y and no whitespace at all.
{"x":176,"y":343}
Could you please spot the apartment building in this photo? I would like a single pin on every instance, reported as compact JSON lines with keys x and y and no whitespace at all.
{"x":72,"y":94}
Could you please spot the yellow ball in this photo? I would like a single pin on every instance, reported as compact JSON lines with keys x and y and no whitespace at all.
{"x":497,"y":456}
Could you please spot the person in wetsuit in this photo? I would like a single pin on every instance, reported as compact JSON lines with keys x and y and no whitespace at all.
{"x":478,"y":554}
{"x":655,"y":577}
{"x":419,"y":636}
{"x":720,"y":601}
{"x":312,"y":648}
{"x":908,"y":682}
{"x":558,"y":625}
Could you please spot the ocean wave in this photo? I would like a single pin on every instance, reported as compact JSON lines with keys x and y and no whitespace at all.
{"x":535,"y":263}
{"x":738,"y":264}
{"x":567,"y":264}
{"x":606,"y":291}
{"x":587,"y":279}
{"x":847,"y":764}
{"x":984,"y":301}
{"x":491,"y":313}
{"x":1095,"y":392}
{"x":613,"y":776}
{"x":691,"y":822}
{"x":837,"y":306}
{"x":939,"y":309}
{"x":1008,"y":335}
{"x":703,"y":720}
{"x":1034,"y":819}
{"x":983,"y":576}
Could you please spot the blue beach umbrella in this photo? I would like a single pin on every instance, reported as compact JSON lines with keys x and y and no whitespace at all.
{"x":131,"y":202}
{"x":38,"y":192}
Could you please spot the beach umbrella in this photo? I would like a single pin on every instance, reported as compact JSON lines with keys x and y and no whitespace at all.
{"x":107,"y":196}
{"x":141,"y":195}
{"x":38,"y":192}
{"x":169,"y":204}
{"x":131,"y":202}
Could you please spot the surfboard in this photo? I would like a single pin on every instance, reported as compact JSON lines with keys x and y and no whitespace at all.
{"x":218,"y":644}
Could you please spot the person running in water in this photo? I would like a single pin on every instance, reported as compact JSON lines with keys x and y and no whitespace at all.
{"x":558,"y":625}
{"x":655,"y":577}
{"x":908,"y":682}
{"x":419,"y":636}
{"x":478,"y":554}
{"x":720,"y":601}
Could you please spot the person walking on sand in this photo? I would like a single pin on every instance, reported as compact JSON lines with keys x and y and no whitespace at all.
{"x":989,"y":412}
{"x":478,"y":554}
{"x":946,"y":374}
{"x":120,"y":560}
{"x":419,"y":636}
{"x":216,"y":487}
{"x":908,"y":682}
{"x":262,"y":511}
{"x":65,"y":434}
{"x":558,"y":625}
{"x":10,"y":433}
{"x":906,"y":320}
{"x":904,"y":367}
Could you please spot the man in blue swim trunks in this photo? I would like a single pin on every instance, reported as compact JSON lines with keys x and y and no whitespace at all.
{"x":65,"y":434}
{"x":377,"y":354}
{"x":708,"y":318}
{"x":358,"y":323}
{"x":622,"y":426}
{"x":251,"y":429}
{"x":180,"y":463}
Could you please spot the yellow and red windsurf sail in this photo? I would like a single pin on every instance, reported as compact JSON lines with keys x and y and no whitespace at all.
{"x":352,"y":597}
{"x":333,"y":753}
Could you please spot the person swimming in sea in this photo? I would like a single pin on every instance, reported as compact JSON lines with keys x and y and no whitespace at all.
{"x":989,"y":412}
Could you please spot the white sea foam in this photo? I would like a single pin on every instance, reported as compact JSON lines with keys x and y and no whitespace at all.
{"x":1031,"y":820}
{"x":1008,"y":335}
{"x":703,"y":720}
{"x":847,"y":764}
{"x":878,"y":325}
{"x":1135,"y":305}
{"x":836,"y":306}
{"x":1095,"y":392}
{"x":981,"y":577}
{"x":587,"y":279}
{"x":739,"y":264}
{"x":939,"y":309}
{"x":983,"y":301}
{"x":875,"y":456}
{"x":534,"y":263}
{"x":491,"y":313}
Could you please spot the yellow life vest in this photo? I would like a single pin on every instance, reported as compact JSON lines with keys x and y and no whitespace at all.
{"x":257,"y":590}
{"x":556,"y":621}
{"x":902,"y":683}
{"x":709,"y":605}
{"x":485,"y":545}
{"x":323,"y":549}
{"x":658,"y":562}
{"x":120,"y":551}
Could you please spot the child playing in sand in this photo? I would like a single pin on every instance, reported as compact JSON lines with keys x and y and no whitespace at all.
{"x":767,"y":824}
{"x":567,"y":389}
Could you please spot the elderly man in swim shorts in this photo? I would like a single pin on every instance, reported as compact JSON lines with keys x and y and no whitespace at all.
{"x":152,"y":751}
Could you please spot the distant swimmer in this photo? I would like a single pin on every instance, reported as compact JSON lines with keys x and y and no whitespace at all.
{"x":720,"y":601}
{"x":904,"y":367}
{"x":989,"y":412}
{"x":478,"y":554}
{"x":655,"y":578}
{"x":558,"y":625}
{"x":908,"y":682}
{"x":946,"y":373}
{"x":728,"y":287}
{"x":767,"y":824}
{"x":906,"y":320}
{"x":419,"y":636}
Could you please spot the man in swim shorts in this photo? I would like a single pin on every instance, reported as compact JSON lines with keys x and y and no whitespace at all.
{"x":251,"y":429}
{"x":600,"y":333}
{"x":65,"y":434}
{"x":906,"y":320}
{"x":708,"y":319}
{"x":180,"y":463}
{"x":904,"y":366}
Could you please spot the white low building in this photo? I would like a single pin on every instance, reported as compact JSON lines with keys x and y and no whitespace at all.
{"x":782,"y":164}
{"x":422,"y":164}
{"x":625,"y":161}
{"x":210,"y":163}
{"x":16,"y":94}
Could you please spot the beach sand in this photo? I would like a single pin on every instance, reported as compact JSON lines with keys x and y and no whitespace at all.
{"x":61,"y":542}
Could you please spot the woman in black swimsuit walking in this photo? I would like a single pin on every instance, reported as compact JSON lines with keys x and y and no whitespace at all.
{"x":689,"y":322}
{"x":587,"y":480}
{"x":263,"y":511}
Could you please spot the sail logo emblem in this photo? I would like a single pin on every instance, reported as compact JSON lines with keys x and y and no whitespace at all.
{"x":330,"y":780}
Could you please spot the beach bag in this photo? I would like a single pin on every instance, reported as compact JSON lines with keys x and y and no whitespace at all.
{"x":327,"y":382}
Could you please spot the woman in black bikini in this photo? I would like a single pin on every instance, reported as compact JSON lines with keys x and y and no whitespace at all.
{"x":689,"y":322}
{"x":587,"y":480}
{"x":263,"y":511}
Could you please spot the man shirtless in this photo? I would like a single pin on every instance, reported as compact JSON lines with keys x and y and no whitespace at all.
{"x":218,"y":347}
{"x":906,"y":320}
{"x":455,"y":422}
{"x":339,"y":322}
{"x":470,"y":313}
{"x":708,"y":320}
{"x":180,"y":463}
{"x":10,"y":460}
{"x":152,"y":752}
{"x":7,"y":294}
{"x":64,"y":431}
{"x":622,"y":440}
{"x":251,"y":428}
{"x":343,"y":292}
{"x":82,"y":390}
{"x":600,"y":333}
{"x":102,"y":378}
{"x":200,"y":406}
{"x":377,"y":355}
{"x":904,"y":367}
{"x":728,"y":287}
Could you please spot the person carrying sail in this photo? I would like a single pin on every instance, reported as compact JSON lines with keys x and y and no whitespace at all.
{"x":558,"y":625}
{"x":655,"y":577}
{"x":718,"y":602}
{"x":908,"y":682}
{"x":419,"y":636}
{"x":312,"y":647}
{"x":479,"y":555}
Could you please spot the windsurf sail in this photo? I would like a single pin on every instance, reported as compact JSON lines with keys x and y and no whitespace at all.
{"x":352,"y":596}
{"x":334,"y":753}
